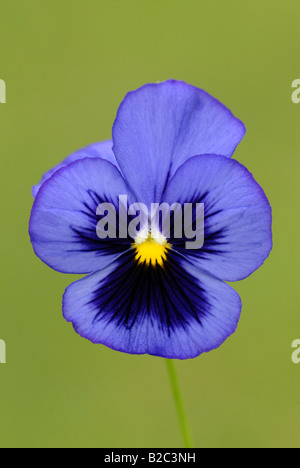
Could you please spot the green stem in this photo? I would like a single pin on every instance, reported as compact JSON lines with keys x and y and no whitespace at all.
{"x":179,"y":404}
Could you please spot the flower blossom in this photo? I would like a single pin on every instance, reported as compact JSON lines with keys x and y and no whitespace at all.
{"x":147,"y":292}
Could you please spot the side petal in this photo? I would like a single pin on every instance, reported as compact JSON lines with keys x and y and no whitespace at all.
{"x":101,"y":150}
{"x":237,"y":216}
{"x":175,"y":312}
{"x":159,"y":126}
{"x":64,"y":216}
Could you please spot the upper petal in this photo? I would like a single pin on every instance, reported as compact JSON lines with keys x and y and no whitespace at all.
{"x":101,"y":150}
{"x":63,"y":220}
{"x":159,"y":126}
{"x":237,"y":215}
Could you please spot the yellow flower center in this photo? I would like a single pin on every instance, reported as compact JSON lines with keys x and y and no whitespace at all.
{"x":151,"y":249}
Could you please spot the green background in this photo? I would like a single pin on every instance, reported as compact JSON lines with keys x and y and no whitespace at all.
{"x":67,"y":66}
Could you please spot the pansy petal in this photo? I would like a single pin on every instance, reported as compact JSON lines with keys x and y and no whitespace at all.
{"x":237,"y":215}
{"x":63,"y":221}
{"x":159,"y":126}
{"x":174,"y":311}
{"x":101,"y":150}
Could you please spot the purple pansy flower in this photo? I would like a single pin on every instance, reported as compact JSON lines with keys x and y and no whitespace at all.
{"x":171,"y":143}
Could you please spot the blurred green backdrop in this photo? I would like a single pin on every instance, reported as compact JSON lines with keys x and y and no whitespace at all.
{"x":67,"y":66}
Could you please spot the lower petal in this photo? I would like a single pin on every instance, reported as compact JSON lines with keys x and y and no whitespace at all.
{"x":175,"y":311}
